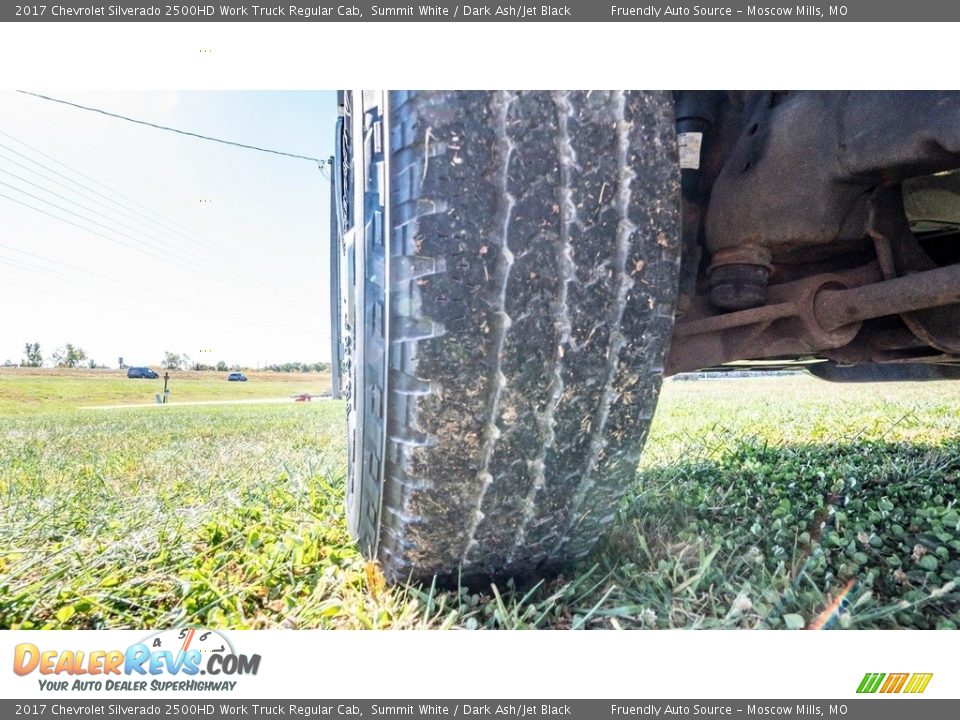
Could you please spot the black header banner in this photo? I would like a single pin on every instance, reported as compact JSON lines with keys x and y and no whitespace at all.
{"x":479,"y":11}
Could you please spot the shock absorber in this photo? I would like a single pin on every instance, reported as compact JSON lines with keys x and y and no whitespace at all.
{"x":696,"y":114}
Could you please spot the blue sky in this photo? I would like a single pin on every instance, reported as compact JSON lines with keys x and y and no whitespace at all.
{"x":198,"y":248}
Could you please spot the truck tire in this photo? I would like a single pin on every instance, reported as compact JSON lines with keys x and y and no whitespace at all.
{"x":513,"y":279}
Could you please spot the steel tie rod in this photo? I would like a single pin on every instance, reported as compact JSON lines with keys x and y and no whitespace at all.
{"x":931,"y":288}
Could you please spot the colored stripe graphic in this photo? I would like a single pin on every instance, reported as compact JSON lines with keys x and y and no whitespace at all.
{"x":918,"y":682}
{"x":894,"y":683}
{"x":870,"y":682}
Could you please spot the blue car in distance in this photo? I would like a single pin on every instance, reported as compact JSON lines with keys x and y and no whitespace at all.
{"x":142,"y":372}
{"x":237,"y":377}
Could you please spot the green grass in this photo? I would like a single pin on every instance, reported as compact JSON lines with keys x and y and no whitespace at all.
{"x":756,"y":503}
{"x":28,"y":391}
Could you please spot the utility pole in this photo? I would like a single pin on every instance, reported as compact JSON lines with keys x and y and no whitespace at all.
{"x":334,"y":285}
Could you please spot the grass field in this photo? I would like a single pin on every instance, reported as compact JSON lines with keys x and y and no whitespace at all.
{"x":759,"y":503}
{"x":32,"y":390}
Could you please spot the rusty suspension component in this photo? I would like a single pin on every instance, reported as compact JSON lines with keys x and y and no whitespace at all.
{"x":930,"y":289}
{"x":807,"y":316}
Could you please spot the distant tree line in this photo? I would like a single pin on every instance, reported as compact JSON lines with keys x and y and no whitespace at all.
{"x":74,"y":356}
{"x":182,"y":361}
{"x":32,"y":355}
{"x":66,"y":356}
{"x":299,"y":367}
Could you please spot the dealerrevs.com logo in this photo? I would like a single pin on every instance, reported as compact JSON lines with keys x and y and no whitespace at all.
{"x":171,"y":660}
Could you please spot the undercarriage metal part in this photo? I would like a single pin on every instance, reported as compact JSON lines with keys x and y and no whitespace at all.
{"x":808,"y":185}
{"x":738,"y":287}
{"x":785,"y":326}
{"x":899,"y":254}
{"x":697,"y":112}
{"x":808,"y":316}
{"x":738,"y":277}
{"x":802,"y":169}
{"x":884,"y":372}
{"x":932,"y":202}
{"x":835,"y":309}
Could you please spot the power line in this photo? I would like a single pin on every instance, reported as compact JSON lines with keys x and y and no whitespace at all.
{"x":246,"y":273}
{"x":75,"y":182}
{"x":8,"y":248}
{"x":231,"y":257}
{"x":231,"y":260}
{"x":319,"y":162}
{"x":189,"y":257}
{"x":69,"y":222}
{"x":159,"y":301}
{"x":65,"y":131}
{"x":111,"y":284}
{"x":113,"y":230}
{"x":162,"y":258}
{"x":49,"y":272}
{"x":225,"y":220}
{"x":93,"y":180}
